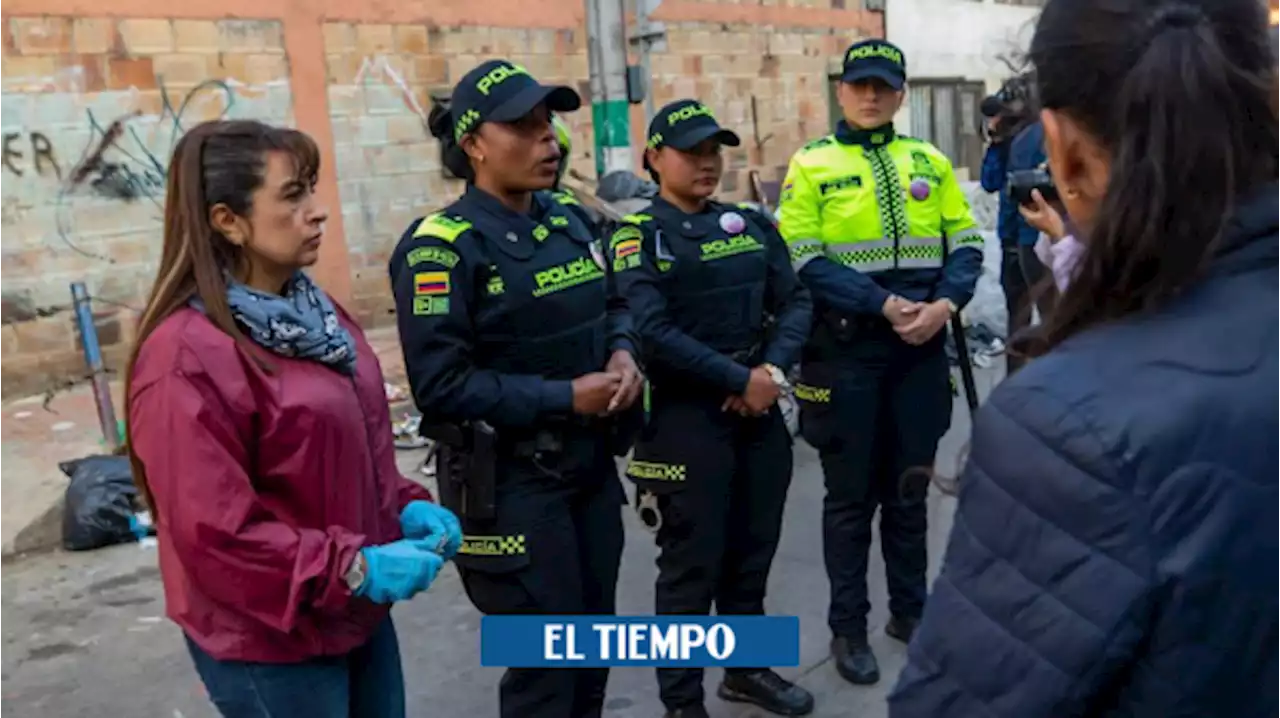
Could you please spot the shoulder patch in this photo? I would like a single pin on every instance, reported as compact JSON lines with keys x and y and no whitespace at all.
{"x":919,"y":146}
{"x":637,"y":218}
{"x":441,"y":226}
{"x":625,"y":233}
{"x":820,"y":142}
{"x":432,"y":255}
{"x":624,"y":246}
{"x":564,"y":198}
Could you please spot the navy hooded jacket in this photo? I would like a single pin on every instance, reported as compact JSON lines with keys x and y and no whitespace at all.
{"x":1115,"y":545}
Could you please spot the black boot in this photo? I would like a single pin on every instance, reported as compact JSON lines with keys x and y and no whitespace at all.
{"x":902,"y":628}
{"x":696,"y":710}
{"x":854,"y":660}
{"x":768,"y":690}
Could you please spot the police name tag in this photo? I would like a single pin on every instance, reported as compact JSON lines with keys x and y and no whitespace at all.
{"x":665,"y":641}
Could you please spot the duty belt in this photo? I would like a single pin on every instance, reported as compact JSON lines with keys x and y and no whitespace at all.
{"x":543,"y":442}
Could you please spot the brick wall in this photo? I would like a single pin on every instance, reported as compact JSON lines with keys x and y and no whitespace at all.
{"x":93,"y":105}
{"x":381,"y":79}
{"x":727,"y":66}
{"x":91,"y":108}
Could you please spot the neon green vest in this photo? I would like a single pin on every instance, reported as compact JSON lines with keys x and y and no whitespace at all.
{"x":891,"y":207}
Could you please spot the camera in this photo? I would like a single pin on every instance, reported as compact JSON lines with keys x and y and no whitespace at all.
{"x":1011,"y":106}
{"x":1023,"y":182}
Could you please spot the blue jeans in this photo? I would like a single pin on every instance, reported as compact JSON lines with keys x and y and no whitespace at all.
{"x":365,"y":683}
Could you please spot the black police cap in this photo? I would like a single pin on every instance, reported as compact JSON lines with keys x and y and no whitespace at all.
{"x":502,"y":91}
{"x":875,"y":59}
{"x":685,"y":123}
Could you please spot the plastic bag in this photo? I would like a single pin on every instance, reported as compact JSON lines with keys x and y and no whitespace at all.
{"x":623,"y":185}
{"x":99,"y":508}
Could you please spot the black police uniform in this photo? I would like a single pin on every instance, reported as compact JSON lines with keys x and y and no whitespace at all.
{"x":701,"y":288}
{"x":498,"y":311}
{"x":869,"y":214}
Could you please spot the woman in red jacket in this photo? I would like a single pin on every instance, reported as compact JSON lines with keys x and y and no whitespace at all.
{"x":260,"y":437}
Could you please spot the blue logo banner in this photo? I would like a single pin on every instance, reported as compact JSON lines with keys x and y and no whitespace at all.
{"x":668,"y":641}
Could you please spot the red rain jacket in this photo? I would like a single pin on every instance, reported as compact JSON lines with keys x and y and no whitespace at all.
{"x":265,"y":487}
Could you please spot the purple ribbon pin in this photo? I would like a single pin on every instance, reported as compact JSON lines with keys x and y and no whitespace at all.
{"x":919,"y":190}
{"x":732,"y":222}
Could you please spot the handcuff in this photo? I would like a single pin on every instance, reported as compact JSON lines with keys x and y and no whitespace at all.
{"x":647,"y":504}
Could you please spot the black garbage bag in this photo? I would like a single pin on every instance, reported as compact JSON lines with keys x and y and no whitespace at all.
{"x":621,"y":185}
{"x":99,"y":508}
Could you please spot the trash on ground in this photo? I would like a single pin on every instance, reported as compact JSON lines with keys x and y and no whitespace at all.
{"x":984,"y":346}
{"x":394,"y":393}
{"x":406,"y":432}
{"x":100,"y":508}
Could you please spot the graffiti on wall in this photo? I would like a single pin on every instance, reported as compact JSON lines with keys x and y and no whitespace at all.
{"x":118,"y":151}
{"x":378,"y":69}
{"x":119,"y":162}
{"x":40,"y":157}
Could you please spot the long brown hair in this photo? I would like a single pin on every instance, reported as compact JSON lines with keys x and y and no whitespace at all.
{"x":221,"y":162}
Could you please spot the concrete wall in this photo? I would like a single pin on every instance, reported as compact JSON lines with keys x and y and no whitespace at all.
{"x":96,"y":93}
{"x":92,"y":108}
{"x":958,"y":39}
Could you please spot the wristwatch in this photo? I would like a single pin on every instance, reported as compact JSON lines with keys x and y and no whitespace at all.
{"x":355,"y":574}
{"x":778,"y":376}
{"x":951,"y":305}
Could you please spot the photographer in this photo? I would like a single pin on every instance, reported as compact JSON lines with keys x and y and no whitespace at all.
{"x":1016,"y":144}
{"x":1057,"y":248}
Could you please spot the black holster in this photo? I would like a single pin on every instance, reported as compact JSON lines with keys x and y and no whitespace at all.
{"x":839,"y":327}
{"x":466,"y":467}
{"x":625,"y":428}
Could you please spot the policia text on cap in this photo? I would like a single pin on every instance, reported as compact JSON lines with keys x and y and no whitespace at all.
{"x":881,"y":234}
{"x":713,"y":462}
{"x":519,"y":355}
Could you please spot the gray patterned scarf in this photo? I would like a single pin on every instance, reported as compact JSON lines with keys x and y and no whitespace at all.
{"x":301,"y":324}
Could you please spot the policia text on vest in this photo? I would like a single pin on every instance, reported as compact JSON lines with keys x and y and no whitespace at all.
{"x":515,"y":343}
{"x":517,"y":306}
{"x":719,"y":311}
{"x":876,"y":222}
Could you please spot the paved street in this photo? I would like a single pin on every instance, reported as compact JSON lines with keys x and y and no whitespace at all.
{"x":84,"y":634}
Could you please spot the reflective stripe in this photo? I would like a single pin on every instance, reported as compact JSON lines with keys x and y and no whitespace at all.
{"x":967,"y":238}
{"x":920,"y":253}
{"x":873,"y":255}
{"x":804,"y":251}
{"x":920,"y":257}
{"x":876,"y":255}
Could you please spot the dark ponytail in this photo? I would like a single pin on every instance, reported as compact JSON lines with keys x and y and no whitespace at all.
{"x":452,"y":156}
{"x":1181,"y":94}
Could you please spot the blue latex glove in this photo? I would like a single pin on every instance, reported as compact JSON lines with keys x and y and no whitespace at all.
{"x":432,"y":523}
{"x":399,"y":571}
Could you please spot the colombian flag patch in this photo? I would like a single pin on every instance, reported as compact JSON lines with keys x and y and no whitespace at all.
{"x":430,"y":283}
{"x":626,"y":248}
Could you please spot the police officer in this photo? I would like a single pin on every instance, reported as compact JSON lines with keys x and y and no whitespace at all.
{"x":517,"y":355}
{"x":713,"y":464}
{"x":881,"y":233}
{"x":565,"y":141}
